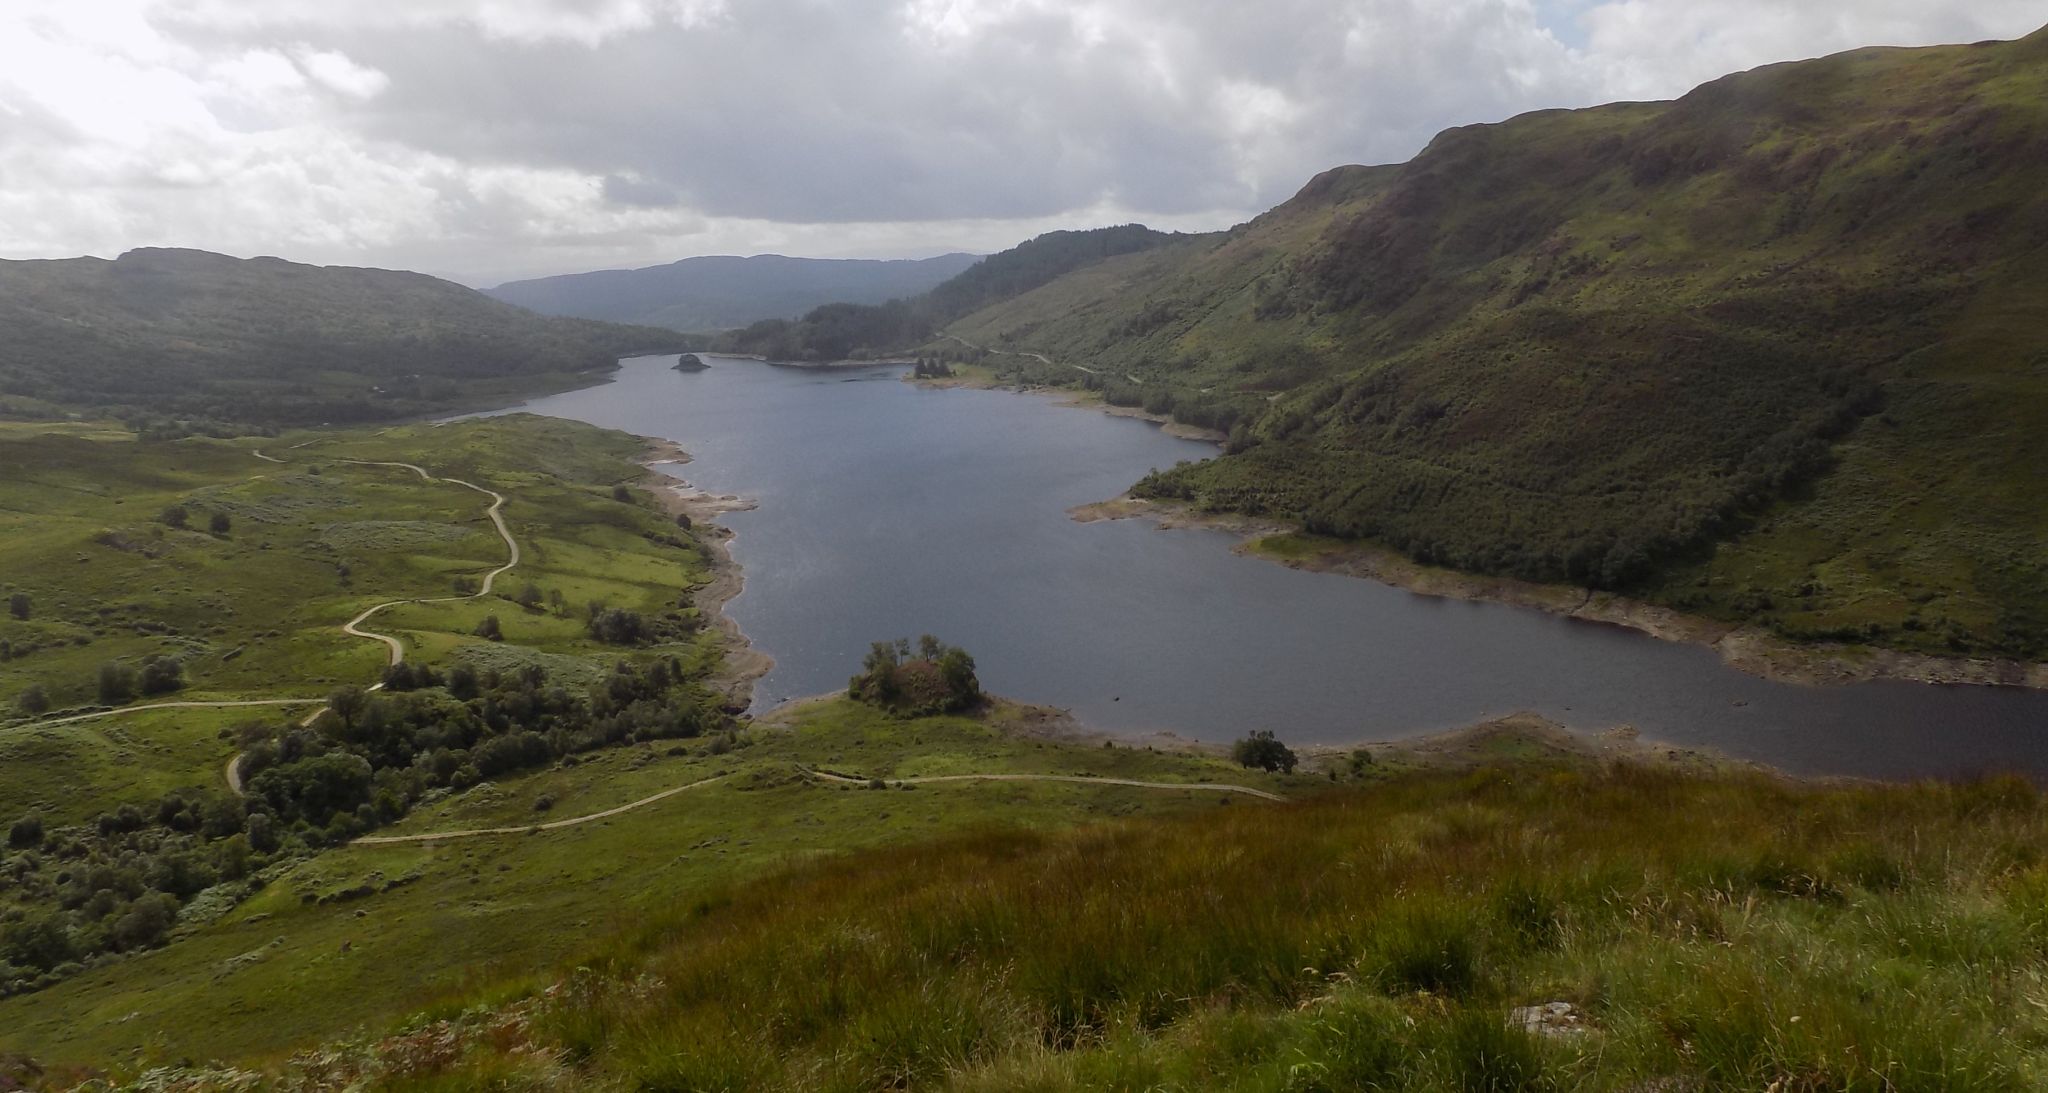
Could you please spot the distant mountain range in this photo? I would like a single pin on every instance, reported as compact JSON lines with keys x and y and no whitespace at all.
{"x":722,"y":292}
{"x":844,"y":328}
{"x":159,"y":334}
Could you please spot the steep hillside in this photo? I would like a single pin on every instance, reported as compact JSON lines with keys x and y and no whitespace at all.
{"x":838,"y":330}
{"x":721,"y":291}
{"x":189,"y":334}
{"x":1765,"y":351}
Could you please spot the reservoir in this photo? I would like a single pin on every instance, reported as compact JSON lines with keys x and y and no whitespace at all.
{"x":888,"y":510}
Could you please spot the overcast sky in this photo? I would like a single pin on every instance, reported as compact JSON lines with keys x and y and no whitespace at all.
{"x":491,"y":139}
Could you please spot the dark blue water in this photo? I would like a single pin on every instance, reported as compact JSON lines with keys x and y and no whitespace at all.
{"x":889,"y":510}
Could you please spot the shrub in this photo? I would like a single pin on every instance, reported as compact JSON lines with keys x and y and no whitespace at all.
{"x":462,"y":682}
{"x":220,"y":523}
{"x":489,"y":629}
{"x":263,"y":836}
{"x":116,"y":684}
{"x":41,"y":941}
{"x":26,"y":834}
{"x":618,"y":626}
{"x":34,"y":702}
{"x":161,"y":675}
{"x":175,"y":516}
{"x":408,"y":676}
{"x":19,"y":605}
{"x":147,"y":921}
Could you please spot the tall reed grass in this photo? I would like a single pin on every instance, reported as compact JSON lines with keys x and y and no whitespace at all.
{"x":1717,"y":932}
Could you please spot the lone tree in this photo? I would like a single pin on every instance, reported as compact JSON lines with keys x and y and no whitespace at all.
{"x":489,"y":630}
{"x":34,"y":702}
{"x":1261,"y":750}
{"x":220,"y":523}
{"x":19,"y":605}
{"x":175,"y":516}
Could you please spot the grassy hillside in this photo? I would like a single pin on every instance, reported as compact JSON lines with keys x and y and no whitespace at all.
{"x":287,"y":969}
{"x":176,"y":605}
{"x":311,"y":541}
{"x":721,"y":292}
{"x":1696,"y":931}
{"x":161,"y":335}
{"x":1764,"y":352}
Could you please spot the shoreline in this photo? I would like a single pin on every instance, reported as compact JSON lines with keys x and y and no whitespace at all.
{"x":1477,"y":744}
{"x":1743,"y":646}
{"x":743,"y":664}
{"x":1068,"y":398}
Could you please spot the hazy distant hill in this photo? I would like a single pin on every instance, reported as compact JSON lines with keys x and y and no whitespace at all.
{"x":844,"y":326}
{"x":192,"y":334}
{"x":718,"y":292}
{"x":1773,"y":351}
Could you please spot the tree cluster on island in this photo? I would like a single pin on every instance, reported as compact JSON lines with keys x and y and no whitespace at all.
{"x":1263,"y":751}
{"x":930,"y":678}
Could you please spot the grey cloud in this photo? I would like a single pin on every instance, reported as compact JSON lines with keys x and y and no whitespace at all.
{"x":638,"y":193}
{"x":501,"y":138}
{"x":793,"y":110}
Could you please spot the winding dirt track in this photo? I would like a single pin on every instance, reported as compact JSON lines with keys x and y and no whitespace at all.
{"x":125,"y":710}
{"x":396,"y":648}
{"x":471,"y":833}
{"x":232,"y":772}
{"x":383,"y":840}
